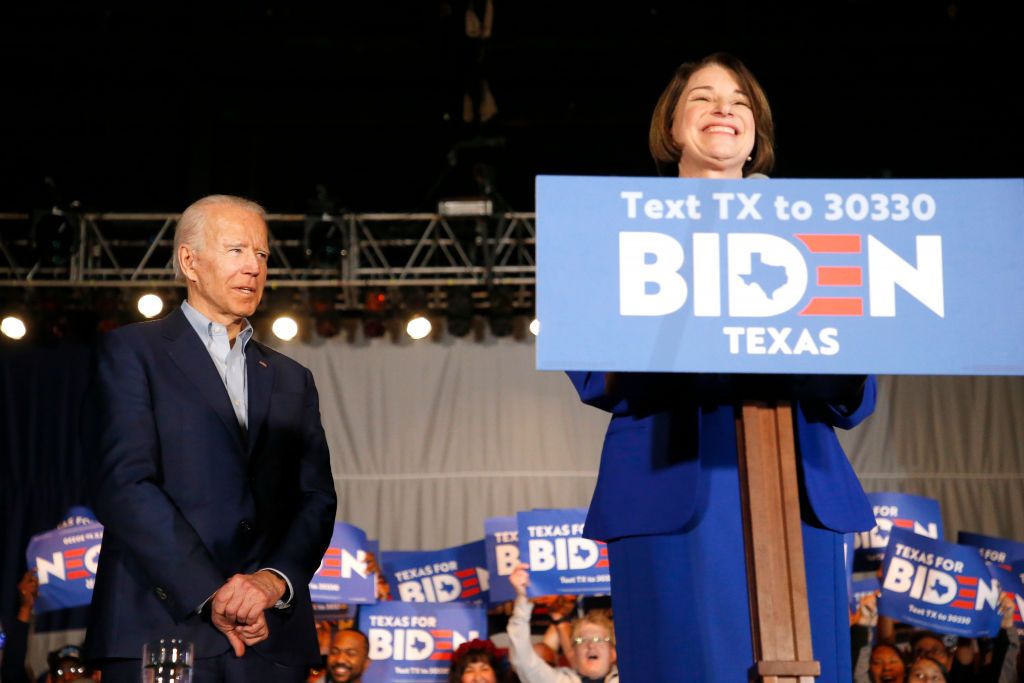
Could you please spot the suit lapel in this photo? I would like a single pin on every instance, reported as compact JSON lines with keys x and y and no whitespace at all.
{"x":260,"y":382}
{"x":188,"y":353}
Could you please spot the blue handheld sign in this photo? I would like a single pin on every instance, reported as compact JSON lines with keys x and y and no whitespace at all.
{"x":561,"y":560}
{"x":501,"y":538}
{"x":456,"y":574}
{"x":998,"y":550}
{"x":65,"y":561}
{"x":919,"y":514}
{"x":413,"y":642}
{"x":780,"y":276}
{"x":343,"y":576}
{"x":939,"y":586}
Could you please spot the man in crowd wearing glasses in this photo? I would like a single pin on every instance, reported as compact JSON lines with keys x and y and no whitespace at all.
{"x":593,"y":643}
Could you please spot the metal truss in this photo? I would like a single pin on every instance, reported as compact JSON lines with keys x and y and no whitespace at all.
{"x":347,"y":253}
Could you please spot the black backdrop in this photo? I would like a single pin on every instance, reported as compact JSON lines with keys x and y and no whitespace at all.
{"x":42,"y":471}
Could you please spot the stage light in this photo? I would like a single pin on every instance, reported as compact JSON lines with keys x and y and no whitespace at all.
{"x":535,"y":327}
{"x":150,"y":305}
{"x":13,"y":327}
{"x":285,"y":328}
{"x":418,"y":328}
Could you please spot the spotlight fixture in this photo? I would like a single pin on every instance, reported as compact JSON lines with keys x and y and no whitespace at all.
{"x":535,"y":327}
{"x":418,"y":328}
{"x":14,"y":327}
{"x":150,"y":305}
{"x":285,"y":328}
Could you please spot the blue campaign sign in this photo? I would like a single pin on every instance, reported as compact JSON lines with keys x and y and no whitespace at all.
{"x":939,"y":586}
{"x":862,"y":588}
{"x":780,"y":276}
{"x":456,"y":574}
{"x":343,"y":576}
{"x":501,"y":539}
{"x":998,"y":550}
{"x":561,"y":560}
{"x":413,"y":642}
{"x":919,"y":514}
{"x":65,"y":561}
{"x":1011,"y":579}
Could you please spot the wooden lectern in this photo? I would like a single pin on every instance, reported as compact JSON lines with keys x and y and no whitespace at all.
{"x":779,"y":616}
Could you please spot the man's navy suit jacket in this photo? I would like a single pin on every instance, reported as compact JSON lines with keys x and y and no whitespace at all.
{"x":188,"y":498}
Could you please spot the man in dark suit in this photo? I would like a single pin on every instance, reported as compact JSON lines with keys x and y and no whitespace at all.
{"x":213,"y":479}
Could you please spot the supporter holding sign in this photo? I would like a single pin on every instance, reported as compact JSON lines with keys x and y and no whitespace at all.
{"x":938,"y":585}
{"x":562,"y":561}
{"x":501,"y":539}
{"x":344,"y":575}
{"x":456,"y":574}
{"x":593,"y":653}
{"x":895,"y":511}
{"x":65,"y":561}
{"x":413,"y":642}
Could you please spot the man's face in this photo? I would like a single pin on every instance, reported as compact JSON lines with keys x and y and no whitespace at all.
{"x":595,"y":654}
{"x":227,"y":272}
{"x":348,"y":658}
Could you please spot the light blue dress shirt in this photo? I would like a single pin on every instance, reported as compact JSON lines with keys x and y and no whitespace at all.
{"x":229,"y":359}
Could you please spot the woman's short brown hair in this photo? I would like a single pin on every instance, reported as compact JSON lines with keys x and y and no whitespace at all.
{"x":665,"y":150}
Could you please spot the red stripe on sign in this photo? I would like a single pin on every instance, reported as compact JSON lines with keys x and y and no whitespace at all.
{"x":330,"y":572}
{"x":328,"y":562}
{"x":967,"y":593}
{"x":441,"y":656}
{"x":840,"y":276}
{"x":831,"y":244}
{"x":77,"y":552}
{"x":440,"y":633}
{"x":967,"y":580}
{"x":443,"y":645}
{"x":962,"y":604}
{"x":601,"y":563}
{"x":471,"y":582}
{"x":333,"y":551}
{"x":604,"y":552}
{"x":74,"y":563}
{"x":904,"y":523}
{"x":465,"y":572}
{"x":470,"y":593}
{"x":834,"y":305}
{"x":79,"y":574}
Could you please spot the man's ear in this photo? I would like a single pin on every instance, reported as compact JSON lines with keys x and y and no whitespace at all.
{"x":187,"y":262}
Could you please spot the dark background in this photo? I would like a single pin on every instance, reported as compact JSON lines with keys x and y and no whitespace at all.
{"x":147,"y":106}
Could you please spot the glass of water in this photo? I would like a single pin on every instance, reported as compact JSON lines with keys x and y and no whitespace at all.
{"x":168,"y":660}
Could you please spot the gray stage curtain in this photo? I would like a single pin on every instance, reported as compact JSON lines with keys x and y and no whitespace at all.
{"x":427,"y":440}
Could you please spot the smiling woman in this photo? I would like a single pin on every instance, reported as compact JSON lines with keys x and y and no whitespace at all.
{"x":667,"y":499}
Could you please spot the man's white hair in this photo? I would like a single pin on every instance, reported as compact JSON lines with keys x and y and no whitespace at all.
{"x":191,"y":227}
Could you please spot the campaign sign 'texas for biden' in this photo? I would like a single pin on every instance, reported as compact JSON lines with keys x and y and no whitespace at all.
{"x":413,"y":642}
{"x":919,"y":514}
{"x":780,"y":276}
{"x":456,"y":574}
{"x":939,"y":586}
{"x":998,"y":550}
{"x":561,"y":560}
{"x":501,"y":539}
{"x":343,"y":576}
{"x":65,"y":561}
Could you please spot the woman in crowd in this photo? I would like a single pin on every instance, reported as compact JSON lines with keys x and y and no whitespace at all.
{"x":474,"y":662}
{"x":668,"y":495}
